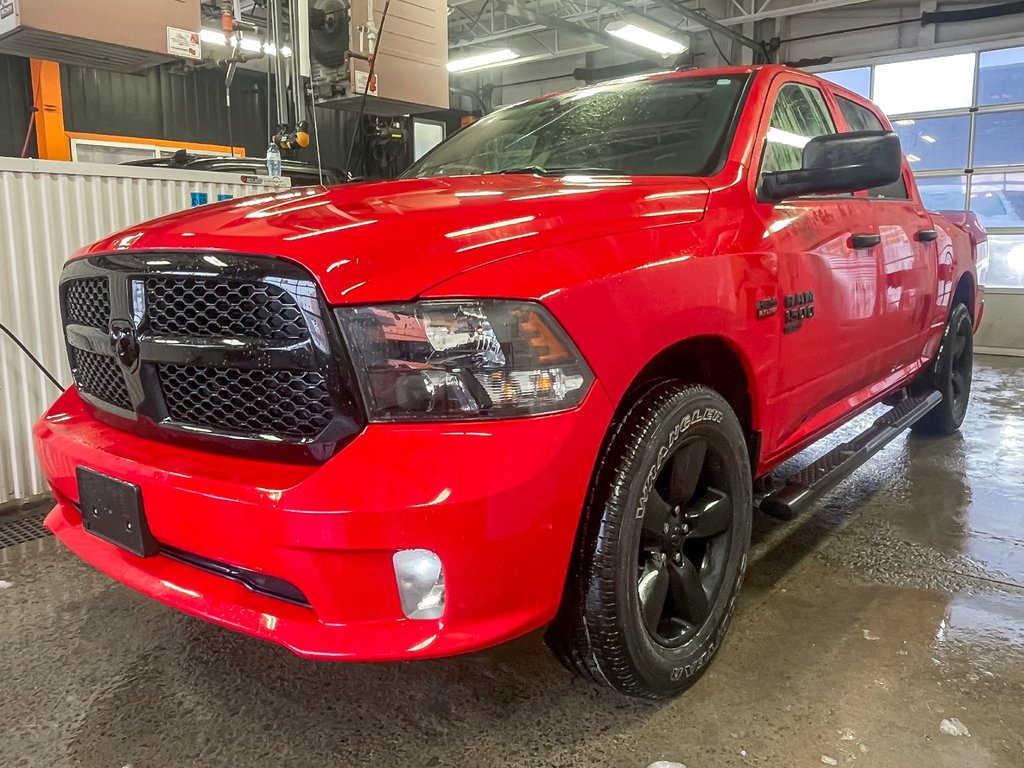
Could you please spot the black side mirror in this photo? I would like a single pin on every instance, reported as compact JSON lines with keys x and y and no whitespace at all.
{"x":839,"y":163}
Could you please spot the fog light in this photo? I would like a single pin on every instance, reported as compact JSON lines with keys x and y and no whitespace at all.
{"x":420,"y":583}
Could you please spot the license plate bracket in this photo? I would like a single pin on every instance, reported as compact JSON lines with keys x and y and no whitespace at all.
{"x":112,"y":510}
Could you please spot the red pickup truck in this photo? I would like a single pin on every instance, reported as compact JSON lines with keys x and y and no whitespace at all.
{"x":541,"y":380}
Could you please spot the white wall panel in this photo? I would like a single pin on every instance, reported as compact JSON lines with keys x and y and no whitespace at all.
{"x":47,"y":211}
{"x":1002,"y":330}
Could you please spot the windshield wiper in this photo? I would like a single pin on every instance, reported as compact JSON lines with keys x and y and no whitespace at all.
{"x":540,"y":170}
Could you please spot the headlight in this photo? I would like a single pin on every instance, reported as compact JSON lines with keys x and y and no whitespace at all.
{"x":462,"y":360}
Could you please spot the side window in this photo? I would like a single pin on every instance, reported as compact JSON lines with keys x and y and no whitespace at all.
{"x":862,"y":119}
{"x":799,"y":115}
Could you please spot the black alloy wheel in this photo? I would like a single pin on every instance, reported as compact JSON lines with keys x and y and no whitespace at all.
{"x":951,"y":373}
{"x":961,"y":367}
{"x":684,"y":544}
{"x":662,"y":546}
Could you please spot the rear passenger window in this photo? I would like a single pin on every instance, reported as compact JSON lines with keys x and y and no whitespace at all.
{"x":800,"y":114}
{"x":863,"y":119}
{"x":860,"y":118}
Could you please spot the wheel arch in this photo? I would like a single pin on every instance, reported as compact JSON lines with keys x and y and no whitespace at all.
{"x":712,"y":361}
{"x":966,"y":293}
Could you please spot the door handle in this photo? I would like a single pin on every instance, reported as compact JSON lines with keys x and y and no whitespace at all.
{"x":863,"y":240}
{"x":927,"y":236}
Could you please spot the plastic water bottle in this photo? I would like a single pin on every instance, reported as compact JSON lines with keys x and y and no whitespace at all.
{"x":274,"y":161}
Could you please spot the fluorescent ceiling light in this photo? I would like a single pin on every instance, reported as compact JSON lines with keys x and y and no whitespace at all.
{"x":271,"y":50}
{"x":482,"y":60}
{"x":251,"y":44}
{"x":645,"y":38}
{"x":214,"y":36}
{"x":912,"y":158}
{"x":929,"y":139}
{"x":905,"y":122}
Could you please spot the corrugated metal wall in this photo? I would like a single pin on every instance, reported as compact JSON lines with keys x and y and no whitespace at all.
{"x":15,"y":105}
{"x":167,"y":103}
{"x":175,"y":104}
{"x":49,"y":210}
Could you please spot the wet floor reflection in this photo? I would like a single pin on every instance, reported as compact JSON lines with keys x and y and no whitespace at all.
{"x":896,"y":603}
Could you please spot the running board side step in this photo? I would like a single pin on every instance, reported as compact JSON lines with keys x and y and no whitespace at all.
{"x":801,"y":490}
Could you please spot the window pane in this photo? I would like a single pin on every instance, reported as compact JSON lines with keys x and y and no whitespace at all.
{"x":924,"y":85}
{"x":1006,"y":260}
{"x":998,"y":139}
{"x":1001,"y":77}
{"x":944,"y":193}
{"x":799,"y":115}
{"x":426,"y":135}
{"x":858,"y":118}
{"x":935,"y":143}
{"x":857,"y":80}
{"x":998,"y":199}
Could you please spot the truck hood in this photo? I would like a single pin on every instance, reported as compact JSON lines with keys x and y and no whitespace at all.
{"x":390,"y":241}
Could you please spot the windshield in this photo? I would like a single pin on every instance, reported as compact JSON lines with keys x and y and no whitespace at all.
{"x":674,"y":126}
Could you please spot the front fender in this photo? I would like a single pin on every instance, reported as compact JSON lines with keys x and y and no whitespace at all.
{"x":623,"y":299}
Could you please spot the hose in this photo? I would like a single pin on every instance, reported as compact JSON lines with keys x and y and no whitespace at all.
{"x":32,"y":357}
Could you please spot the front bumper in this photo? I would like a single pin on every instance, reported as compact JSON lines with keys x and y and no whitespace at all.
{"x":499,"y":502}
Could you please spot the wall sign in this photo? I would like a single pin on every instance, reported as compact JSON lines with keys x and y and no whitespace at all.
{"x":184,"y":43}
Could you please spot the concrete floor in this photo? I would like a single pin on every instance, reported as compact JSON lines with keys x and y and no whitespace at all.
{"x":897,"y":603}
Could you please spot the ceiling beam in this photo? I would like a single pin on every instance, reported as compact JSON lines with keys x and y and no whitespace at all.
{"x":714,"y":25}
{"x":774,"y":13}
{"x":516,"y":11}
{"x":700,"y":25}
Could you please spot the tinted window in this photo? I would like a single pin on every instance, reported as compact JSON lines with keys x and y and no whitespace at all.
{"x":863,"y":119}
{"x":800,"y":114}
{"x":673,"y":126}
{"x":859,"y":118}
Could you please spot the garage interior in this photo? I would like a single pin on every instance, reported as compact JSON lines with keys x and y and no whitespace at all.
{"x":883,"y":627}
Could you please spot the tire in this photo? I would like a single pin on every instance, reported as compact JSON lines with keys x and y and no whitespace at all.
{"x":950,"y":373}
{"x":670,"y":503}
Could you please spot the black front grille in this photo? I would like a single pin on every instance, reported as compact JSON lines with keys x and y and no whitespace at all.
{"x":229,"y":351}
{"x":100,"y":377}
{"x":88,"y":302}
{"x":204,"y":307}
{"x":287,"y":403}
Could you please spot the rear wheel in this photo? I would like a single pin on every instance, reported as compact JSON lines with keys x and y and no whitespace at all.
{"x":662,"y":551}
{"x":951,"y":374}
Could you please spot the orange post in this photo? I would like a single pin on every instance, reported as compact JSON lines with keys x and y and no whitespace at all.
{"x":50,"y":135}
